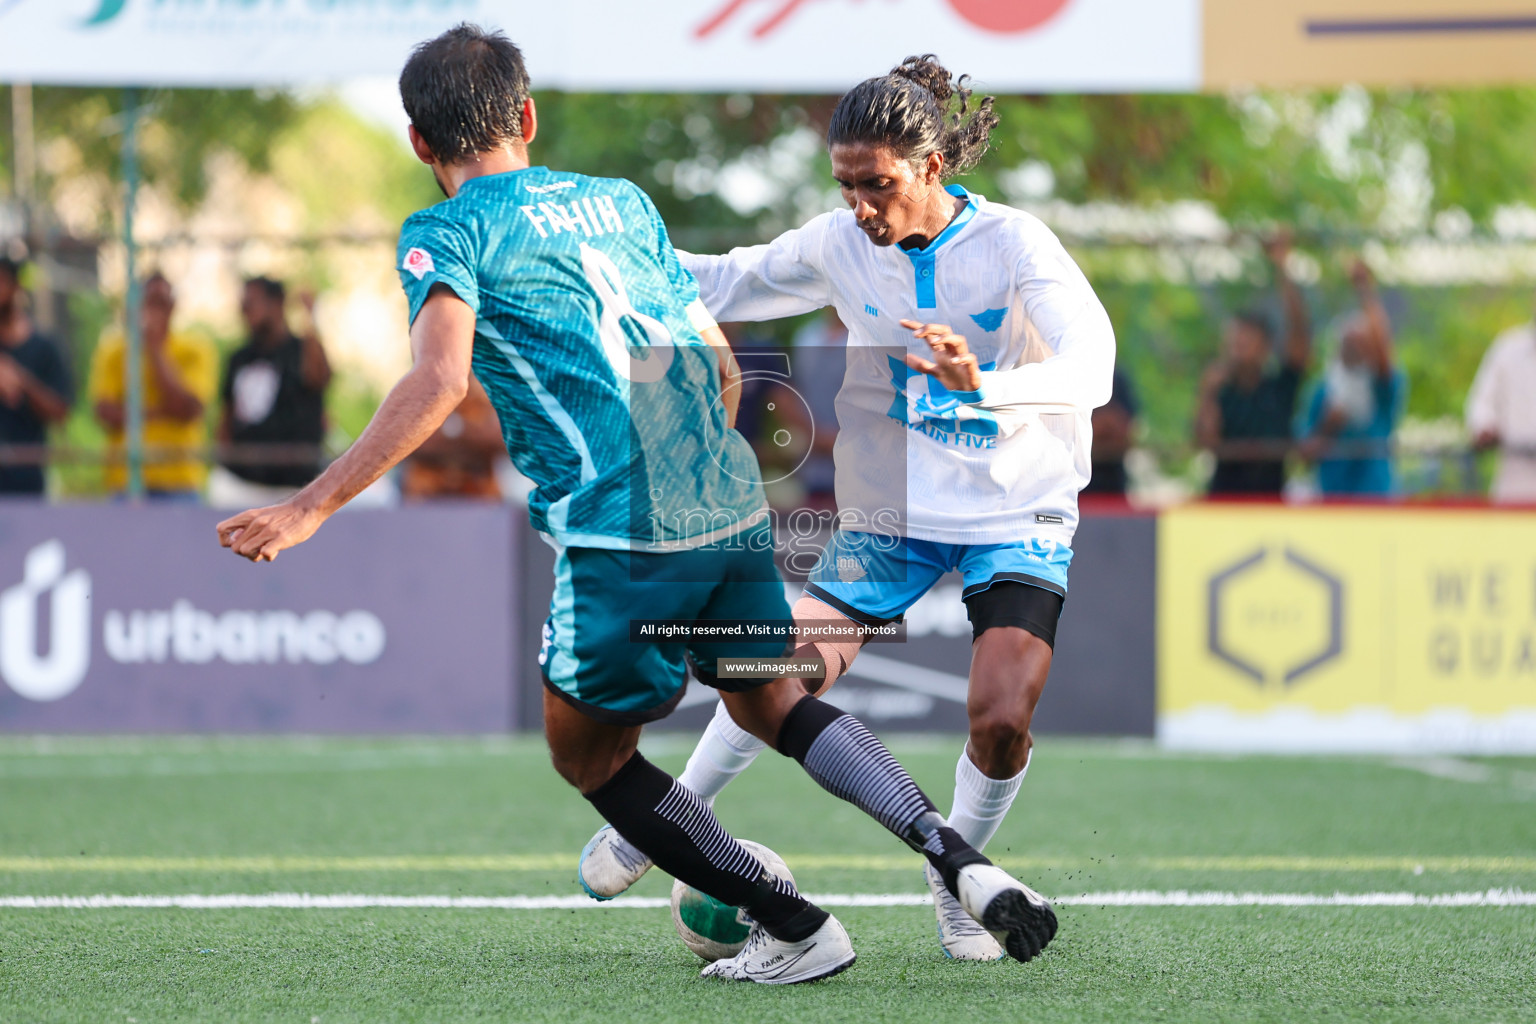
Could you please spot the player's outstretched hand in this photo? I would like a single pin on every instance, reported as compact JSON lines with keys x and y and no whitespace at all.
{"x":952,"y":363}
{"x":260,"y":533}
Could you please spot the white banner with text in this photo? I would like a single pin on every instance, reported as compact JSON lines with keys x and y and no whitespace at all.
{"x":658,"y":45}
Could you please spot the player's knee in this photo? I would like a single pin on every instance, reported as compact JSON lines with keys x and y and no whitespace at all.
{"x":998,"y":732}
{"x":835,"y":641}
{"x":567,"y":767}
{"x":762,"y":711}
{"x":999,"y":744}
{"x":582,"y":770}
{"x":833,"y":663}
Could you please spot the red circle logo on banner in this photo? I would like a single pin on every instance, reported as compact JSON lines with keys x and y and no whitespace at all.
{"x":1008,"y":15}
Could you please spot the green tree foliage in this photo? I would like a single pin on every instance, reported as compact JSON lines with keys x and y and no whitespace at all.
{"x":1330,"y":162}
{"x":1343,"y":167}
{"x":1327,"y":162}
{"x":351,"y":175}
{"x":673,"y":146}
{"x":1323,"y":161}
{"x":181,"y":128}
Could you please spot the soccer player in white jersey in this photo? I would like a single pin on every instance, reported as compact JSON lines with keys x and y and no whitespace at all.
{"x":549,"y":287}
{"x":977,"y":353}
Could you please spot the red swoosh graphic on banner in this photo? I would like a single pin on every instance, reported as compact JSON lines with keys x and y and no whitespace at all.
{"x":1004,"y":16}
{"x":1008,"y":15}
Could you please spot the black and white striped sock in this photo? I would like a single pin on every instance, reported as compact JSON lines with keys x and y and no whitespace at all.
{"x":848,"y":761}
{"x":674,"y":827}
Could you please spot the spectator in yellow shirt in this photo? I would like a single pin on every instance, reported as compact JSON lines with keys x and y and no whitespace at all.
{"x":180,"y":374}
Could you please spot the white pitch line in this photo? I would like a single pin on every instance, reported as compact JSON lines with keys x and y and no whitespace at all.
{"x":1130,"y":898}
{"x":1488,"y":898}
{"x":311,"y":901}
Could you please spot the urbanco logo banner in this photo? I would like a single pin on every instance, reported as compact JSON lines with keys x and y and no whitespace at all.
{"x":36,"y":675}
{"x":132,"y":619}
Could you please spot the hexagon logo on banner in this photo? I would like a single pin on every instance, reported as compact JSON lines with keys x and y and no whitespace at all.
{"x":1275,"y":616}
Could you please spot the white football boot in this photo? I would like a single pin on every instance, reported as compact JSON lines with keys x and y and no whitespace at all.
{"x":769,"y":961}
{"x":609,"y":864}
{"x":959,"y":933}
{"x":1017,"y":916}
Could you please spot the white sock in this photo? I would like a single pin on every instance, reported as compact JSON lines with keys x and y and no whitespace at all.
{"x":724,"y":752}
{"x":981,"y":802}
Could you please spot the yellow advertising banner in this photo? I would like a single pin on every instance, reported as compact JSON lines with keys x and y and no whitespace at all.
{"x":1373,"y":42}
{"x":1347,"y":629}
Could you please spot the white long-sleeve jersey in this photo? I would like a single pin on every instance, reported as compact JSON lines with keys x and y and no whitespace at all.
{"x":1500,"y":402}
{"x":985,"y":467}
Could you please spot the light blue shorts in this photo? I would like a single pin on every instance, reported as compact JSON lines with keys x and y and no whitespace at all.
{"x":874,"y":578}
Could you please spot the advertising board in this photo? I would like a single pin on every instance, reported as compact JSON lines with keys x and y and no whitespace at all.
{"x":132,"y":619}
{"x":1349,"y":629}
{"x":659,"y":45}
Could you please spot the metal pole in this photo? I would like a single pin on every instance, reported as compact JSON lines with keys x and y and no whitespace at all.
{"x":25,"y":138}
{"x":133,"y":382}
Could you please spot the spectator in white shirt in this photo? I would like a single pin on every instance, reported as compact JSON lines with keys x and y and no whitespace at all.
{"x":1501,"y":412}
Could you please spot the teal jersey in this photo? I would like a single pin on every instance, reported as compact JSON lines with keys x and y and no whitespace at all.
{"x":586,"y":342}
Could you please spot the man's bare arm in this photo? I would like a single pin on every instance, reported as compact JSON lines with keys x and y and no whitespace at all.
{"x":111,"y":414}
{"x":314,"y":366}
{"x":442,"y":340}
{"x":47,"y":404}
{"x":1378,"y":323}
{"x":1298,"y":323}
{"x":176,"y":400}
{"x":730,"y":372}
{"x":1208,"y":425}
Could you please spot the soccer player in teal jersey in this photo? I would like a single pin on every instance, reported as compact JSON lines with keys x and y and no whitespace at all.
{"x":562,"y":294}
{"x":596,"y":424}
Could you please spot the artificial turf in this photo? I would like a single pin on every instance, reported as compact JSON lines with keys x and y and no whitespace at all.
{"x":442,"y":817}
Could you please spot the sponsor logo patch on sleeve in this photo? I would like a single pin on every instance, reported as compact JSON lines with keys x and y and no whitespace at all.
{"x":419,"y":263}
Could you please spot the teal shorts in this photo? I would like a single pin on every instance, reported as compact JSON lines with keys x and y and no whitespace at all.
{"x":590,"y":656}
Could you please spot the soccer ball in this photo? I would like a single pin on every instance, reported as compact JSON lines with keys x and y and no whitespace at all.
{"x":715,"y":930}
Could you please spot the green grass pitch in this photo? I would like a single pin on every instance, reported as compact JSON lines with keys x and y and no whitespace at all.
{"x":81,"y":817}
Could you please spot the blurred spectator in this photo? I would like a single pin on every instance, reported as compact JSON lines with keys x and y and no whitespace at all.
{"x":273,"y":396}
{"x":1114,"y":427}
{"x":1501,"y":412}
{"x":459,"y":460}
{"x":35,"y":388}
{"x":1246,"y":406}
{"x":1348,"y":423}
{"x":179,"y":371}
{"x":807,"y":404}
